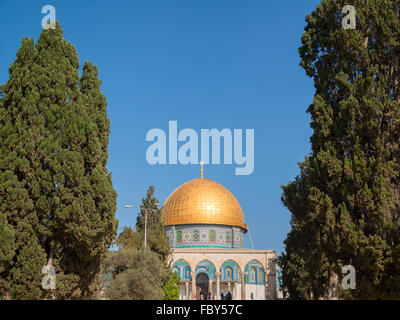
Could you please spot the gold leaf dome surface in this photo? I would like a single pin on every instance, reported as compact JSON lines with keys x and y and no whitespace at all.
{"x":202,"y":201}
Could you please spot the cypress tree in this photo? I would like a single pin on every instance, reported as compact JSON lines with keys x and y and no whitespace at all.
{"x":50,"y":177}
{"x":19,"y":135}
{"x":1,"y":93}
{"x":149,"y":204}
{"x":26,"y":272}
{"x":157,"y":240}
{"x":345,"y":203}
{"x":98,"y":195}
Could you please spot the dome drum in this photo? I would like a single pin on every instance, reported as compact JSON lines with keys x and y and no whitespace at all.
{"x":205,"y":235}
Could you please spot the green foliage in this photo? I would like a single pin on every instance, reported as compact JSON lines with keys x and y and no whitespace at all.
{"x":2,"y":93}
{"x":157,"y":240}
{"x":26,"y":273}
{"x":149,"y":204}
{"x":345,"y":202}
{"x":171,"y":288}
{"x":138,"y":280}
{"x":54,"y":186}
{"x":138,"y":275}
{"x":7,"y":243}
{"x":129,"y":238}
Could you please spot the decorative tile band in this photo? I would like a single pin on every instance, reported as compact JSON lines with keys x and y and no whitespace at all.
{"x":213,"y":236}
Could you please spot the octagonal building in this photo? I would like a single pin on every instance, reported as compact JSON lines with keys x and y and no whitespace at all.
{"x":205,"y":225}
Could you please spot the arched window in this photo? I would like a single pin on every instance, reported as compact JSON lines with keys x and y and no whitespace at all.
{"x":180,"y":267}
{"x":229,"y":271}
{"x":176,"y":269}
{"x":228,"y":274}
{"x":206,"y":267}
{"x":260,"y":276}
{"x":254,"y":272}
{"x":187,"y":273}
{"x":253,"y":275}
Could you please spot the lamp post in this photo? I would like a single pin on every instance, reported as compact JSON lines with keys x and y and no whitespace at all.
{"x":145,"y":221}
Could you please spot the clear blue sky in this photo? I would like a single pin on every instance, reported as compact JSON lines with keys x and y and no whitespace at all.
{"x":205,"y":63}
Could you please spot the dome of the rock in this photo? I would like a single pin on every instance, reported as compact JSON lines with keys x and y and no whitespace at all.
{"x":205,"y":226}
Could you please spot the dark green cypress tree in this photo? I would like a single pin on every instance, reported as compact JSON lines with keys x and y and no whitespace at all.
{"x":19,"y":139}
{"x":7,"y":242}
{"x":96,"y":106}
{"x":98,"y":195}
{"x":50,"y":176}
{"x":157,"y":240}
{"x":1,"y":93}
{"x":150,"y":203}
{"x":345,"y":203}
{"x":26,"y":272}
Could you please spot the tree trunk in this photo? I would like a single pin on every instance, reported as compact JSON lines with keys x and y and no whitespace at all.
{"x":333,"y":286}
{"x":51,"y":255}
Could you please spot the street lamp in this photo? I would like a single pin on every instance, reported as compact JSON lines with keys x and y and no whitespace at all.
{"x":145,"y":221}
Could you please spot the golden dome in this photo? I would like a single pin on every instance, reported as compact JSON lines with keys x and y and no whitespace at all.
{"x":202,"y":201}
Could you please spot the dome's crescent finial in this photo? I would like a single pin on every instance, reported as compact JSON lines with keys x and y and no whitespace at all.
{"x":201,"y":169}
